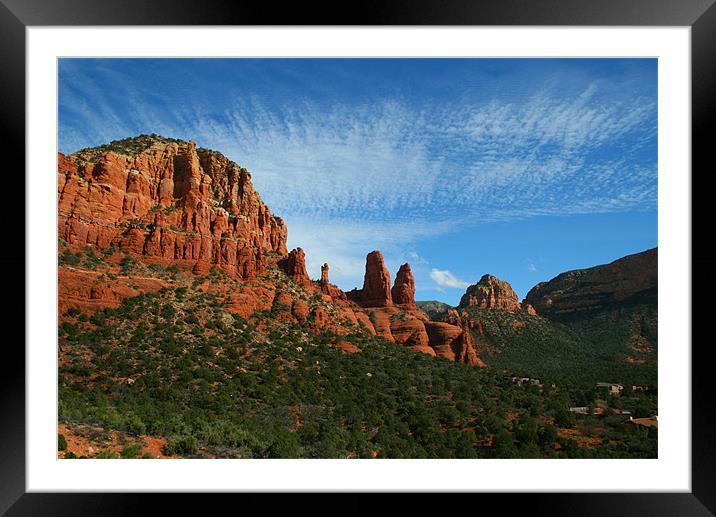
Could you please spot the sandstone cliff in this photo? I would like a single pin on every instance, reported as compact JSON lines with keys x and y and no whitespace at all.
{"x":167,"y":200}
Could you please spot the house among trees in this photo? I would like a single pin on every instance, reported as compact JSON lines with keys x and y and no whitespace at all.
{"x":614,"y":389}
{"x":525,"y":380}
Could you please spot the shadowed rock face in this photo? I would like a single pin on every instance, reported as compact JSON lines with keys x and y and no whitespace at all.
{"x":403,"y":291}
{"x":629,"y":279}
{"x":295,"y":266}
{"x":491,"y":293}
{"x":376,"y":283}
{"x":168,"y":200}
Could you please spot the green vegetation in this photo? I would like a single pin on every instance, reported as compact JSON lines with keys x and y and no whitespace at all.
{"x":67,"y":258}
{"x":174,"y":364}
{"x":107,"y":455}
{"x":131,"y":450}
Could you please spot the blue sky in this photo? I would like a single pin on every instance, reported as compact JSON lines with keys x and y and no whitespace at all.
{"x":522,"y":168}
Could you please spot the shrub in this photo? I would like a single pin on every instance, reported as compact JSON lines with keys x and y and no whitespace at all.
{"x":131,"y":450}
{"x":181,"y":445}
{"x":70,"y":259}
{"x":107,"y":455}
{"x":61,"y":443}
{"x":72,"y":311}
{"x":135,"y":425}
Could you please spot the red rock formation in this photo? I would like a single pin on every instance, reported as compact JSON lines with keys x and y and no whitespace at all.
{"x":409,"y":331}
{"x":320,"y":317}
{"x":167,"y":200}
{"x":347,"y":347}
{"x":491,"y":293}
{"x":403,"y":291}
{"x":529,"y":309}
{"x":364,"y":321}
{"x":380,"y":317}
{"x":295,"y":266}
{"x":441,"y":336}
{"x":324,"y":278}
{"x":464,"y":347}
{"x":376,"y":283}
{"x":247,"y":299}
{"x":329,"y":289}
{"x":300,"y":310}
{"x":170,"y":202}
{"x":91,"y":290}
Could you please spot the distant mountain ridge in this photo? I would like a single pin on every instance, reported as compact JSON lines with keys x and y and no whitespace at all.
{"x":433,"y":308}
{"x":629,"y":279}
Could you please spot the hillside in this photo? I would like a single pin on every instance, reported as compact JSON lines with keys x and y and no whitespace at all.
{"x":597,"y":324}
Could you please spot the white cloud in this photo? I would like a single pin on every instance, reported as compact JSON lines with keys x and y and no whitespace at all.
{"x":445,"y":278}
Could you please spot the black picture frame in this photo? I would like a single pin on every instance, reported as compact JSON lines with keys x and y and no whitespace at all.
{"x":700,"y":15}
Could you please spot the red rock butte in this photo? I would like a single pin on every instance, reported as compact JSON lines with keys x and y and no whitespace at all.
{"x":491,"y":293}
{"x":170,"y":201}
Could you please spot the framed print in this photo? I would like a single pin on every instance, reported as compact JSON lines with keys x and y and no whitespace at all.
{"x":421,"y":250}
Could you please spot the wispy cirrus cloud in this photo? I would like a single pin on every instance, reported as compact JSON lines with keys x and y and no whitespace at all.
{"x":352,"y":176}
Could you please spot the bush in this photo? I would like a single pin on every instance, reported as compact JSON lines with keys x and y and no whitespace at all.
{"x":181,"y":445}
{"x":135,"y":425}
{"x":70,"y":259}
{"x":564,"y":418}
{"x":131,"y":450}
{"x":61,"y":443}
{"x":107,"y":455}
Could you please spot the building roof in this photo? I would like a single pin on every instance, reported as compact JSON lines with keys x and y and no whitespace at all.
{"x":646,"y":422}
